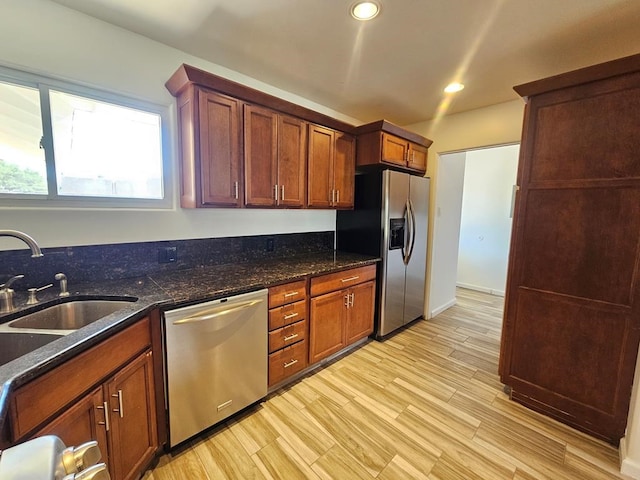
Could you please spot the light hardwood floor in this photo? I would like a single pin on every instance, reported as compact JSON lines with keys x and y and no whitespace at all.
{"x":424,"y":404}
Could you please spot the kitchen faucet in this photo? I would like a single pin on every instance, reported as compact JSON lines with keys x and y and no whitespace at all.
{"x":35,"y":249}
{"x":6,"y":293}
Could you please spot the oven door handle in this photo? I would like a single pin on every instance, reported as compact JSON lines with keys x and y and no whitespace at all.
{"x":216,"y":312}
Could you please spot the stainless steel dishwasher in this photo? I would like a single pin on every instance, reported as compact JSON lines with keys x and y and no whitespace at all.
{"x":216,"y":361}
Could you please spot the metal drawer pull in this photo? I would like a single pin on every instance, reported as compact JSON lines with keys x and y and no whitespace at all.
{"x":105,"y":407}
{"x":291,"y":315}
{"x":119,"y":397}
{"x":291,"y":363}
{"x":217,"y":312}
{"x":224,"y":405}
{"x":290,"y":337}
{"x":291,"y":294}
{"x":350,"y":279}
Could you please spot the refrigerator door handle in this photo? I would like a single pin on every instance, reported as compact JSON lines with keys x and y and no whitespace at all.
{"x":406,"y":253}
{"x":412,"y":220}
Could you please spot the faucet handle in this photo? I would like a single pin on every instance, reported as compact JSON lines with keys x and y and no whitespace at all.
{"x":8,"y":283}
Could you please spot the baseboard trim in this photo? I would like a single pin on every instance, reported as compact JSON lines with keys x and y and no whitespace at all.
{"x":478,"y":288}
{"x":628,"y":466}
{"x":442,"y":308}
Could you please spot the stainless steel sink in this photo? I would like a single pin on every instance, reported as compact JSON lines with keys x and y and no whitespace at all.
{"x":14,"y":345}
{"x":70,"y":315}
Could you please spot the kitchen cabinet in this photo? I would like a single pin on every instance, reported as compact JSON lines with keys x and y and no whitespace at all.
{"x":571,"y":325}
{"x":341,"y":310}
{"x":119,"y":410}
{"x":215,"y":137}
{"x":275,"y":158}
{"x":288,"y":350}
{"x":209,"y":128}
{"x":331,"y":160}
{"x":382,"y":143}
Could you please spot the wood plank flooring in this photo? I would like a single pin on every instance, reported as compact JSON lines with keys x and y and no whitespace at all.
{"x":424,"y":404}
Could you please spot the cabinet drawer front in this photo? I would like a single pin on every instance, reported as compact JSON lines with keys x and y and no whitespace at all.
{"x":287,"y":293}
{"x":288,"y":335}
{"x":338,"y":280}
{"x":287,"y":361}
{"x":38,"y":400}
{"x":287,"y":314}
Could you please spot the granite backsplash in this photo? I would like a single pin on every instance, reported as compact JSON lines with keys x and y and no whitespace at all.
{"x":94,"y":263}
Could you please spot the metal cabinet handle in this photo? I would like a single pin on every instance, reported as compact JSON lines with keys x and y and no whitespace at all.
{"x":104,"y":407}
{"x":275,"y":192}
{"x":282,"y":193}
{"x":333,"y":196}
{"x":290,"y":337}
{"x":346,"y":300}
{"x":289,"y":364}
{"x":291,"y":315}
{"x":353,"y":296}
{"x":119,"y":410}
{"x":235,"y":186}
{"x":337,"y":196}
{"x":291,"y":294}
{"x":350,"y":279}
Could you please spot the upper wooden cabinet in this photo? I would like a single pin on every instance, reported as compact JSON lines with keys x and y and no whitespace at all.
{"x":382,"y":143}
{"x":240,"y":146}
{"x":209,"y":126}
{"x":275,"y":158}
{"x":331,"y":161}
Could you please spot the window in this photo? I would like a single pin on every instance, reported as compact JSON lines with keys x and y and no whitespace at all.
{"x":73,"y":146}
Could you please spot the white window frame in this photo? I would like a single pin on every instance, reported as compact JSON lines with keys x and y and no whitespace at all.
{"x":43,"y":84}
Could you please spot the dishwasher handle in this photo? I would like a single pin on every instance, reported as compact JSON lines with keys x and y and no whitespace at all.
{"x":217,"y":311}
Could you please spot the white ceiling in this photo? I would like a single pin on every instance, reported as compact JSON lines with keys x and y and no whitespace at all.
{"x":396,"y":65}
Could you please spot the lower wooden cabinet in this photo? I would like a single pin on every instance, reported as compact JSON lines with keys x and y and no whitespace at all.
{"x":288,"y":329}
{"x":343,"y":315}
{"x":119,"y":410}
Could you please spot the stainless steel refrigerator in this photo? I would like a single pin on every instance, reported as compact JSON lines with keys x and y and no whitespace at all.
{"x":390,"y":220}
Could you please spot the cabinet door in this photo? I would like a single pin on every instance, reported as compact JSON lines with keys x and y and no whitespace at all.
{"x":133,"y":418}
{"x":359,"y":323}
{"x":344,"y":169}
{"x":394,"y":149}
{"x":292,"y":151}
{"x":82,"y":422}
{"x":260,"y":156}
{"x":417,"y":159}
{"x":219,"y":141}
{"x":326,"y":330}
{"x":321,"y":149}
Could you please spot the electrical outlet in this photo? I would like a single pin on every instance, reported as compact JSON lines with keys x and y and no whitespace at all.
{"x":270,"y":245}
{"x":168,"y":255}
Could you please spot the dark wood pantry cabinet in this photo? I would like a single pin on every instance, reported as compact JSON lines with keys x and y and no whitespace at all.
{"x":572,"y":313}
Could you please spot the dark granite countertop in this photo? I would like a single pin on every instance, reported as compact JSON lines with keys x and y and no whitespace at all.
{"x":164,"y":291}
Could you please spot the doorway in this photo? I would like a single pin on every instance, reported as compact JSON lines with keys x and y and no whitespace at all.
{"x":472,"y":223}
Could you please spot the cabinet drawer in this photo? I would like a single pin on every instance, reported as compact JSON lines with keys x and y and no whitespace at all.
{"x":346,"y":278}
{"x":287,"y":293}
{"x":40,"y":399}
{"x":288,"y":335}
{"x":287,"y":361}
{"x":287,"y":314}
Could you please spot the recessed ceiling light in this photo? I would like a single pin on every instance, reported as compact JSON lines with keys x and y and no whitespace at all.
{"x":453,"y":87}
{"x":365,"y":10}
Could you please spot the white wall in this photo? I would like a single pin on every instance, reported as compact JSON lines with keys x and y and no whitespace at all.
{"x":444,"y":258}
{"x":494,"y":125}
{"x":485,"y":226}
{"x":43,"y":37}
